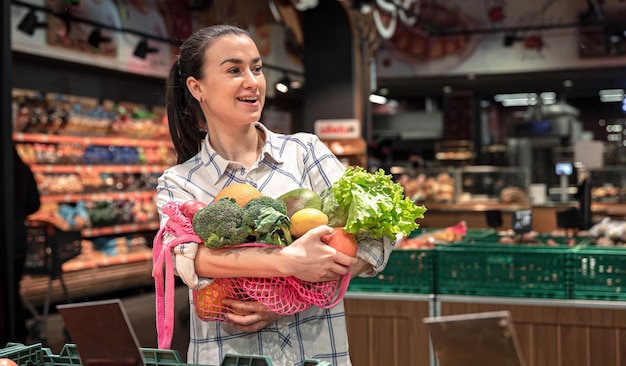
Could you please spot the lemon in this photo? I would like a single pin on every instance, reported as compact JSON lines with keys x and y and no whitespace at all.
{"x":306,"y":219}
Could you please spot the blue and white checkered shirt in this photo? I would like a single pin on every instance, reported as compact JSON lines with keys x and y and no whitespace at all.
{"x":286,"y":162}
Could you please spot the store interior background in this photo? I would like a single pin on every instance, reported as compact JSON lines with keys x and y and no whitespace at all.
{"x":424,"y":111}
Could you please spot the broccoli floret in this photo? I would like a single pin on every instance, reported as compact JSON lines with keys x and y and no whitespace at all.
{"x":266,"y":219}
{"x":220,"y":224}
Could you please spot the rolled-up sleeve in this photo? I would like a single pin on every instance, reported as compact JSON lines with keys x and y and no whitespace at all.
{"x":376,"y":252}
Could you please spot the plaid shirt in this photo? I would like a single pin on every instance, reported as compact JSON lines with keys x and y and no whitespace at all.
{"x":286,"y":162}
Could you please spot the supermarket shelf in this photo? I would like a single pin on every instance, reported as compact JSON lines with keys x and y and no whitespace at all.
{"x":66,"y":169}
{"x":88,"y":282}
{"x":59,"y":198}
{"x":119,"y":229}
{"x":87,"y":140}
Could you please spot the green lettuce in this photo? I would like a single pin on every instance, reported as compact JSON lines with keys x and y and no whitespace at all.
{"x":372,"y":202}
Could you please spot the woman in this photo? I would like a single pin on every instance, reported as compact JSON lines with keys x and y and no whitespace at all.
{"x":215,"y":95}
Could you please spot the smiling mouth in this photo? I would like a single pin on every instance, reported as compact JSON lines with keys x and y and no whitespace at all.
{"x":248,"y":99}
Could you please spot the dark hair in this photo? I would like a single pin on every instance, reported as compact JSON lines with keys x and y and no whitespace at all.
{"x":184,"y":114}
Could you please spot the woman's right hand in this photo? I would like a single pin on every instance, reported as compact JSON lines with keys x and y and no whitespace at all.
{"x":309,"y":259}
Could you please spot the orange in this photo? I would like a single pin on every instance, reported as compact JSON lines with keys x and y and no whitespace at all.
{"x":208,"y":301}
{"x":306,"y":219}
{"x":342,"y":241}
{"x":240,"y":192}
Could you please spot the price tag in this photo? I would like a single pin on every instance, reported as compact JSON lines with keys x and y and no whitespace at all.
{"x":522,"y":221}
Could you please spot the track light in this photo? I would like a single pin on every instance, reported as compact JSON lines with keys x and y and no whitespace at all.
{"x":29,"y":23}
{"x":283,"y":84}
{"x":143,"y":49}
{"x":95,"y":38}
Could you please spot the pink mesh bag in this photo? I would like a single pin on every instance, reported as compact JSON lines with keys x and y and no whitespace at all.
{"x":282,"y":295}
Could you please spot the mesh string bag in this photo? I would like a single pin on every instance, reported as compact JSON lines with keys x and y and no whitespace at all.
{"x":282,"y":295}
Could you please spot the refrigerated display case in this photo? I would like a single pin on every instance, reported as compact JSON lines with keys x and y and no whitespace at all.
{"x":493,"y":184}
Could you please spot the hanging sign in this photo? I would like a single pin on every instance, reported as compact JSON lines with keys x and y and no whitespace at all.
{"x":337,"y":129}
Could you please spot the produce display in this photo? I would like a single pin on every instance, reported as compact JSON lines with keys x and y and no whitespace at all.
{"x":357,"y":206}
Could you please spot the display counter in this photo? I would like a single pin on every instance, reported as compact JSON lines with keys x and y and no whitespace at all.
{"x":556,"y":332}
{"x":444,"y":215}
{"x":387,"y":328}
{"x":544,"y":216}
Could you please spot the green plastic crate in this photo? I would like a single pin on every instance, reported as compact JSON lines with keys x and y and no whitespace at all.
{"x":599,"y":273}
{"x":245,"y":360}
{"x":36,"y":355}
{"x":481,"y":235}
{"x":23,"y":355}
{"x":472,"y":235}
{"x":153,"y":357}
{"x":408,"y":270}
{"x":489,"y":269}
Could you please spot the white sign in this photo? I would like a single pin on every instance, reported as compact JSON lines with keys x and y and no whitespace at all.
{"x":337,"y":129}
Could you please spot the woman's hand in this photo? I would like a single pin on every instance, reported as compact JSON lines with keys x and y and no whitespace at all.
{"x":257,"y":316}
{"x":309,"y":259}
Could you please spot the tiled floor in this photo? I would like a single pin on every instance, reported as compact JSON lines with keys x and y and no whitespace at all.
{"x":140,"y":307}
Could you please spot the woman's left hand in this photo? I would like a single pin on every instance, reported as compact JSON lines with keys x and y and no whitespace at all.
{"x":249,"y":316}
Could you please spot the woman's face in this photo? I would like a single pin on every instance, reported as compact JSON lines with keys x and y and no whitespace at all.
{"x":233,"y":85}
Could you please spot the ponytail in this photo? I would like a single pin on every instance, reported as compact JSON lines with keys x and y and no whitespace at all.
{"x":183,"y":115}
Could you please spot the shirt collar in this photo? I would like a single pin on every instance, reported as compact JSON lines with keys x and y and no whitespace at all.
{"x":217,"y":166}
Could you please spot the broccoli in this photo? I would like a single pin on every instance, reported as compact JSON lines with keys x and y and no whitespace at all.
{"x":266,"y":219}
{"x":220,"y":224}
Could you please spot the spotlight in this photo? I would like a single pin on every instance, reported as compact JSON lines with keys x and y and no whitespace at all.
{"x":283,"y":84}
{"x":296,"y":84}
{"x":29,"y":23}
{"x":95,"y":38}
{"x":377,"y":99}
{"x":143,"y":49}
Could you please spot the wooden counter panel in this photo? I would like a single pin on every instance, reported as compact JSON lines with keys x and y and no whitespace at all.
{"x":560,"y":335}
{"x":387,"y":332}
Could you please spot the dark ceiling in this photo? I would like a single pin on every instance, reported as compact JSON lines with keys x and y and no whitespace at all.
{"x":585,"y":83}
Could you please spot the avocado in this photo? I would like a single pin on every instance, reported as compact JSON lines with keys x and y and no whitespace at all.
{"x":300,"y":198}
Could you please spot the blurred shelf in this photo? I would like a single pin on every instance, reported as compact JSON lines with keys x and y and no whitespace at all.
{"x":119,"y":229}
{"x":95,"y":197}
{"x":66,"y":169}
{"x":89,"y":140}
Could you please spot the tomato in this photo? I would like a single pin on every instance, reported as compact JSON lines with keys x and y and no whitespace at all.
{"x":189,"y":208}
{"x":7,"y":362}
{"x":342,"y":241}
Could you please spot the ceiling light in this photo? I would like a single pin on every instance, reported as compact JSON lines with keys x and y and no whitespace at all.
{"x":283,"y":84}
{"x":29,"y":23}
{"x":377,"y":99}
{"x":611,"y":95}
{"x":143,"y":49}
{"x":296,"y":84}
{"x":96,"y":37}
